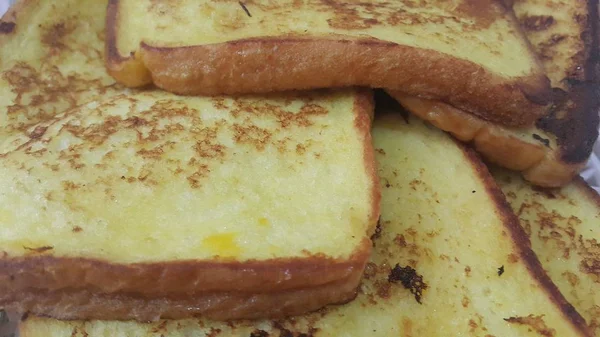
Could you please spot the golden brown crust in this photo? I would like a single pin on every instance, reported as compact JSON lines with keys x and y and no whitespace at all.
{"x":540,"y":164}
{"x":85,"y":305}
{"x":252,"y":66}
{"x":131,"y":74}
{"x":177,"y":277}
{"x":522,"y":243}
{"x":364,"y":108}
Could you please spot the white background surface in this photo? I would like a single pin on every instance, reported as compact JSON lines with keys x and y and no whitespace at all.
{"x":591,"y":174}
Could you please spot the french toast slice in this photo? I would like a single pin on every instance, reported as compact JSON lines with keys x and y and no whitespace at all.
{"x":562,"y":225}
{"x":450,"y":259}
{"x":565,"y":36}
{"x":469,"y":54}
{"x":51,"y":60}
{"x":154,"y":195}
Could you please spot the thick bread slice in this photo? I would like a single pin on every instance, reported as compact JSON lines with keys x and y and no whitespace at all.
{"x":445,"y":231}
{"x":50,"y":60}
{"x":564,"y":228}
{"x":156,"y":195}
{"x":565,"y":35}
{"x":469,"y":54}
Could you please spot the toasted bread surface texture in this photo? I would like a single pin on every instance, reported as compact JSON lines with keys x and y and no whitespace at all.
{"x":565,"y":36}
{"x":429,"y":274}
{"x":469,"y":54}
{"x":50,"y":60}
{"x":562,"y":225}
{"x":157,"y":194}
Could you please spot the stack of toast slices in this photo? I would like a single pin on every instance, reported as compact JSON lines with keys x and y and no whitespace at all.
{"x":299,"y":168}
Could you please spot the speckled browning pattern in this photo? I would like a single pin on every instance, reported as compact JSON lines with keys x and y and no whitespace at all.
{"x":562,"y":226}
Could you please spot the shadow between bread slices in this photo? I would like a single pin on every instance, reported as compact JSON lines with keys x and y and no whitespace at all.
{"x":233,"y":52}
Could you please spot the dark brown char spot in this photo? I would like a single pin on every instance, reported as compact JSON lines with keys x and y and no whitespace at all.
{"x":39,"y":249}
{"x":534,"y":322}
{"x":7,"y":27}
{"x":409,"y":279}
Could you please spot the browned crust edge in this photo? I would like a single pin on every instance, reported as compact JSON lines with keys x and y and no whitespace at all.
{"x":538,"y":163}
{"x":364,"y":110}
{"x":253,"y":66}
{"x":83,"y":305}
{"x":176,"y":277}
{"x":123,"y":69}
{"x":522,"y":243}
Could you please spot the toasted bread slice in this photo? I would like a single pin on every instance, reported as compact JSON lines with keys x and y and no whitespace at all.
{"x":565,"y":35}
{"x":450,"y":259}
{"x":469,"y":54}
{"x":562,"y":225}
{"x":50,"y":60}
{"x":158,"y":195}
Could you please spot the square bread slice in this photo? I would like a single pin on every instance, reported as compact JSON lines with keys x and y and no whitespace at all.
{"x":470,"y":54}
{"x":450,"y":259}
{"x":152,"y":195}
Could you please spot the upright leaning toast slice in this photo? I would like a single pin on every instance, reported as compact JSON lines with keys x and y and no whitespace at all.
{"x":470,"y":54}
{"x":564,"y":228}
{"x":565,"y":36}
{"x":162,"y":197}
{"x":449,"y":260}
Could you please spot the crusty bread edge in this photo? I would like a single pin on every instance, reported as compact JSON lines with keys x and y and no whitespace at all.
{"x":521,"y":241}
{"x":538,"y":163}
{"x":216,"y":69}
{"x":86,"y":305}
{"x":125,"y":69}
{"x":364,"y":111}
